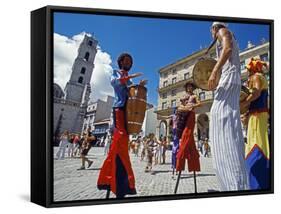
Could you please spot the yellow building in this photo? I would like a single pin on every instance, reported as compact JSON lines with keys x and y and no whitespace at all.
{"x":175,"y":75}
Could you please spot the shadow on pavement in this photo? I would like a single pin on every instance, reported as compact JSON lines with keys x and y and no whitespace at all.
{"x":154,"y":172}
{"x":197,"y":175}
{"x":94,"y":169}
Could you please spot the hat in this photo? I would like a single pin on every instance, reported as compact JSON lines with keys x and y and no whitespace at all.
{"x":219,"y":23}
{"x":255,"y":65}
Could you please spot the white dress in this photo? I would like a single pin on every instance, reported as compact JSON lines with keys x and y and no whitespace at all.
{"x":226,"y":138}
{"x":62,"y":147}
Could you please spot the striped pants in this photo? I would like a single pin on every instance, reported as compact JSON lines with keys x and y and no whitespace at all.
{"x":226,"y":135}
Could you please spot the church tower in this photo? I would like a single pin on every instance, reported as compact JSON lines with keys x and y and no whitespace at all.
{"x":78,"y":87}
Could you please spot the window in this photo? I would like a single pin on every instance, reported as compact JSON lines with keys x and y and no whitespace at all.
{"x":173,"y":103}
{"x":174,"y":92}
{"x":164,"y":105}
{"x":186,"y":66}
{"x":174,"y":80}
{"x":165,"y":75}
{"x":186,"y":76}
{"x":202,"y":96}
{"x":164,"y":96}
{"x":242,"y":65}
{"x":264,"y":57}
{"x":83,"y":70}
{"x":174,"y":71}
{"x":80,"y":80}
{"x":90,"y":42}
{"x":165,"y":83}
{"x":87,"y":56}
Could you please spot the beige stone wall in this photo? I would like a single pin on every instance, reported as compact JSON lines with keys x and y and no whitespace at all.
{"x":186,"y":66}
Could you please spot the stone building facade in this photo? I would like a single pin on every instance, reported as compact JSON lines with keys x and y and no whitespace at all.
{"x":70,"y":104}
{"x":150,"y":121}
{"x":99,"y":116}
{"x":174,"y":76}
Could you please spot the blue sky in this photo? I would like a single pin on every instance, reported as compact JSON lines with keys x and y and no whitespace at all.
{"x":153,"y":43}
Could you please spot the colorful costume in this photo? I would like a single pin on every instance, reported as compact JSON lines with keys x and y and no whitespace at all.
{"x":175,"y":147}
{"x":116,"y":173}
{"x":257,"y":151}
{"x":187,"y":148}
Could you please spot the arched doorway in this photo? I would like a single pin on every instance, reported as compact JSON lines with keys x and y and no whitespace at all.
{"x":162,"y":129}
{"x":203,"y":126}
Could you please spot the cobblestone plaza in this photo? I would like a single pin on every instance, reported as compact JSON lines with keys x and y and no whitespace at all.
{"x":72,"y":184}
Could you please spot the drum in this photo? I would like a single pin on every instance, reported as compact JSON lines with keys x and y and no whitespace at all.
{"x":243,"y":95}
{"x":135,"y":108}
{"x":202,"y":71}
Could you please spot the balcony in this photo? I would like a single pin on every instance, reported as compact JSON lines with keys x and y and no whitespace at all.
{"x":164,"y":111}
{"x":179,"y":83}
{"x":205,"y":97}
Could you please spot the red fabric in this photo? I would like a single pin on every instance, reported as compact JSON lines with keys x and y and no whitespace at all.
{"x":124,"y":77}
{"x":257,"y":111}
{"x":256,"y":65}
{"x":187,"y":148}
{"x":119,"y":146}
{"x":76,"y":139}
{"x":123,"y":80}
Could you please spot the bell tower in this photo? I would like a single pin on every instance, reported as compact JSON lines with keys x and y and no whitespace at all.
{"x":78,"y":87}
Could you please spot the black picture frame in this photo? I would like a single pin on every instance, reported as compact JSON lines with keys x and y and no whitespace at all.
{"x":41,"y":104}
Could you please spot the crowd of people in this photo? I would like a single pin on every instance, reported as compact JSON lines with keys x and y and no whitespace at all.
{"x":153,"y":149}
{"x":147,"y":148}
{"x":78,"y":146}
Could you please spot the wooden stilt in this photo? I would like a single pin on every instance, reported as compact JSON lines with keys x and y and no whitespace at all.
{"x":107,"y":194}
{"x":177,"y":184}
{"x":195,"y":184}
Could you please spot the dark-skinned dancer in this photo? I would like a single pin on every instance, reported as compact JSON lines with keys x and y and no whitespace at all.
{"x":116,"y":174}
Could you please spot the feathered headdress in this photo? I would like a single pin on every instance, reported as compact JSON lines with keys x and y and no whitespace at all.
{"x":256,"y":65}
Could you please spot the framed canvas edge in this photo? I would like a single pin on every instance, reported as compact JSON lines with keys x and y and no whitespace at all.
{"x":50,"y":9}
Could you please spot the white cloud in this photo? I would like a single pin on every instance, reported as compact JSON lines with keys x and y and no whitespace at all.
{"x":65,"y":52}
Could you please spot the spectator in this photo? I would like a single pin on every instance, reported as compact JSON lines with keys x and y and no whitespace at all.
{"x":63,"y":144}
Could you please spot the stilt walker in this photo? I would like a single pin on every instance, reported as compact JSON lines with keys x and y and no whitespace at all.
{"x":226,"y":135}
{"x":185,"y":128}
{"x":116,"y":174}
{"x":175,"y":147}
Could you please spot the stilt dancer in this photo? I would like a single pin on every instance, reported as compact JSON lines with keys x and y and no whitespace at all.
{"x":175,"y":148}
{"x":185,"y":129}
{"x":226,"y":136}
{"x":116,"y":174}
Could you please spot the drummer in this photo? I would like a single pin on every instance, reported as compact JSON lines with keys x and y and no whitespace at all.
{"x":257,"y":151}
{"x":226,"y":136}
{"x":116,"y":174}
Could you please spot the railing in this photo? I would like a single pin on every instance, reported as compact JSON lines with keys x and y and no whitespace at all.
{"x":180,"y":80}
{"x":203,"y":96}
